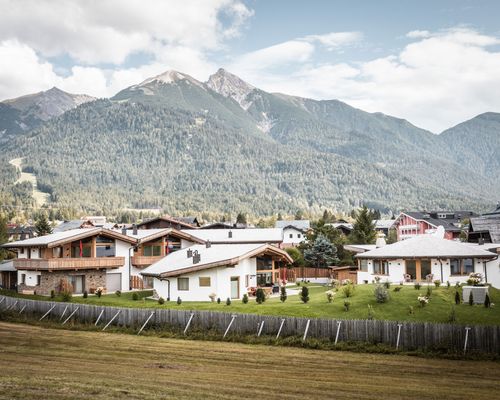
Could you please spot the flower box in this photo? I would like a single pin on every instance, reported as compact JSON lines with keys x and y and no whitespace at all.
{"x":478,"y":294}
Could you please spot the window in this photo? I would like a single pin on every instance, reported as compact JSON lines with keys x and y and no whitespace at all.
{"x":454,"y":266}
{"x":21,"y":251}
{"x":182,"y":283}
{"x":363,"y":265}
{"x":57,"y":252}
{"x":291,"y":235}
{"x":204,"y":281}
{"x":468,"y":266}
{"x":264,"y":263}
{"x":152,"y":251}
{"x":23,"y":279}
{"x":299,"y":235}
{"x":38,"y":280}
{"x":85,"y":251}
{"x":380,"y":267}
{"x":105,"y":251}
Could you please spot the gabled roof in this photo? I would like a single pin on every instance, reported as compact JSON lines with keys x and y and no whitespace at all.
{"x":249,"y":235}
{"x":60,"y":238}
{"x":384,"y":223}
{"x":426,"y":246}
{"x":359,"y":248}
{"x":177,"y":263}
{"x":300,"y":224}
{"x":487,"y":224}
{"x":449,"y":224}
{"x":218,"y":225}
{"x":146,"y":235}
{"x":193,"y":221}
{"x":167,"y":218}
{"x":72,"y":224}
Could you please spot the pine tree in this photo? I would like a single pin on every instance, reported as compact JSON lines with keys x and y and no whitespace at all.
{"x":280,"y":217}
{"x":42,"y":226}
{"x":304,"y":294}
{"x":241,"y":218}
{"x":322,"y":253}
{"x":363,"y":231}
{"x":299,"y":215}
{"x":4,"y":237}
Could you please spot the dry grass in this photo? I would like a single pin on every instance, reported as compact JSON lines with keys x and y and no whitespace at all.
{"x":57,"y":364}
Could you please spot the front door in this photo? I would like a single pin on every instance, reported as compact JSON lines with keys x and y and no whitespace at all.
{"x":235,"y":287}
{"x":425,"y":269}
{"x":77,"y":281}
{"x":411,"y":269}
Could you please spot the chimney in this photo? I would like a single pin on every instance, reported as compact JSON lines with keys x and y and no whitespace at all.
{"x":380,"y":240}
{"x":480,"y":242}
{"x":208,"y":244}
{"x":134,"y":229}
{"x":189,"y":253}
{"x":196,"y":257}
{"x":230,"y":234}
{"x":124,"y":230}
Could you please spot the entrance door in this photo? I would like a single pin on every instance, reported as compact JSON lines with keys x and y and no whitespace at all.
{"x":235,"y":287}
{"x":411,"y":269}
{"x":425,"y":269}
{"x":78,"y":283}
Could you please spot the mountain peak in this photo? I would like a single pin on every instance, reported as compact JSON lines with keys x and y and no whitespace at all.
{"x":230,"y":85}
{"x":171,"y":76}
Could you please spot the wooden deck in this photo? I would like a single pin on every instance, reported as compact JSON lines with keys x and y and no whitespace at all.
{"x":69,"y":263}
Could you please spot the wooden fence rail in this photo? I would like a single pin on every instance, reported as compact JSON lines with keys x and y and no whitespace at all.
{"x":413,"y":335}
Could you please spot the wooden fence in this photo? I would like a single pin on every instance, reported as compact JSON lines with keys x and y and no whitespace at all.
{"x":412,"y":335}
{"x":294,"y":274}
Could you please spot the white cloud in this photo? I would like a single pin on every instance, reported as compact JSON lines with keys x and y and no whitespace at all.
{"x":335,"y":40}
{"x":436,"y":81}
{"x":418,"y":34}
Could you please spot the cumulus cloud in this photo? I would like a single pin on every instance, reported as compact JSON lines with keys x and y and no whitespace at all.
{"x":436,"y":81}
{"x":336,"y":40}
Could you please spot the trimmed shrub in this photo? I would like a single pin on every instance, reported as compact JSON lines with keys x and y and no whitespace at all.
{"x":245,"y":299}
{"x":417,"y":286}
{"x":437,"y":283}
{"x":228,"y":301}
{"x":348,"y":290}
{"x":381,"y":294}
{"x":330,"y":295}
{"x":471,"y":299}
{"x":98,"y":292}
{"x":161,"y":301}
{"x":53,"y":294}
{"x":218,"y":300}
{"x":387,"y":284}
{"x":429,"y":291}
{"x":260,"y":296}
{"x":66,"y":296}
{"x":118,"y":293}
{"x":347,"y":304}
{"x":304,"y":294}
{"x":448,"y":284}
{"x":283,"y":295}
{"x":457,"y":298}
{"x":179,"y":301}
{"x":85,"y":294}
{"x":487,"y":301}
{"x":135,"y":296}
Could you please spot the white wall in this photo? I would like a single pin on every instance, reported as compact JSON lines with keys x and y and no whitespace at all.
{"x":297,"y":236}
{"x":31,"y":279}
{"x":35,"y":253}
{"x":493,"y":272}
{"x":122,"y":250}
{"x":220,"y":283}
{"x":186,"y":243}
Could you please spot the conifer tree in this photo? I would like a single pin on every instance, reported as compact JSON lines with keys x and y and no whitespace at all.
{"x":42,"y":226}
{"x":363,"y":231}
{"x":4,"y":237}
{"x":322,"y":253}
{"x":241,"y":218}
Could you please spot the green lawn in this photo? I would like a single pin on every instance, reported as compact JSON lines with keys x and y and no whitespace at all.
{"x":397,"y":308}
{"x":42,"y":363}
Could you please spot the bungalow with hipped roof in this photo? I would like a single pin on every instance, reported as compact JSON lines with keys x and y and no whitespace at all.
{"x":426,"y":258}
{"x":204,"y":272}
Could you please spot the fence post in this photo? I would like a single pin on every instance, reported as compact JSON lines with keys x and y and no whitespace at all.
{"x":99,"y":317}
{"x":188,"y":323}
{"x":145,"y":323}
{"x":260,"y":328}
{"x":22,"y":309}
{"x":63,"y":313}
{"x":338,"y":331}
{"x":12,"y":305}
{"x":281,"y":327}
{"x":73,"y":313}
{"x":112,"y":319}
{"x":233,"y":317}
{"x":2,"y":300}
{"x":399,"y":334}
{"x":48,"y":312}
{"x":467,"y":329}
{"x":307,"y":329}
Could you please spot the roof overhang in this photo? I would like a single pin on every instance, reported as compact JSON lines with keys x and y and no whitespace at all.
{"x":172,"y":232}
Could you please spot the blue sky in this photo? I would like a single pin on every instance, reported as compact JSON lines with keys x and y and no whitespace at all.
{"x":404,"y":58}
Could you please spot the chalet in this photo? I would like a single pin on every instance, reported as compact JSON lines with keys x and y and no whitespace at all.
{"x":239,"y":236}
{"x":202,"y":272}
{"x":343,"y":226}
{"x":73,"y":224}
{"x":20,"y":232}
{"x":219,"y":225}
{"x":86,"y":259}
{"x":294,"y":232}
{"x":384,"y":225}
{"x":430,"y":257}
{"x":486,"y":228}
{"x":411,"y":224}
{"x":167,"y":221}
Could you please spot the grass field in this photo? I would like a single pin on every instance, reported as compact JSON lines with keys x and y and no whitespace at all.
{"x":437,"y":310}
{"x":40,"y":363}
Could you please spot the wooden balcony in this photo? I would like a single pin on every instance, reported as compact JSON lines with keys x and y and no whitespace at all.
{"x":58,"y":264}
{"x":145,"y":261}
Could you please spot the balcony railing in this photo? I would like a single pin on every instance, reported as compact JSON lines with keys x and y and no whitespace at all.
{"x":69,"y":263}
{"x":144,"y":261}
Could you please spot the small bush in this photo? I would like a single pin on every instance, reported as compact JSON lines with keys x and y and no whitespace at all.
{"x":387,"y":284}
{"x":330,"y":295}
{"x":457,"y":284}
{"x":347,"y":304}
{"x":381,"y":294}
{"x":228,"y":301}
{"x":118,"y":293}
{"x":218,"y":300}
{"x":304,"y":294}
{"x":161,"y":301}
{"x":398,"y":288}
{"x":283,"y":295}
{"x":260,"y":296}
{"x":487,"y":301}
{"x":457,"y":298}
{"x":85,"y":294}
{"x":452,"y":316}
{"x":417,"y":286}
{"x":98,"y":292}
{"x":66,"y":296}
{"x":135,"y":296}
{"x":437,"y":283}
{"x":53,"y":293}
{"x":448,"y":284}
{"x":429,"y":291}
{"x":245,"y":299}
{"x":471,"y":299}
{"x":179,"y":301}
{"x":348,"y":290}
{"x":297,"y":283}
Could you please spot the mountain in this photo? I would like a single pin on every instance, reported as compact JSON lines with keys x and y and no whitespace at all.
{"x":224,"y":145}
{"x":27,"y":112}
